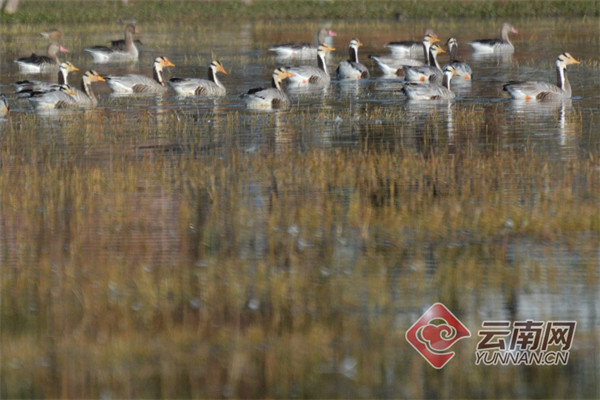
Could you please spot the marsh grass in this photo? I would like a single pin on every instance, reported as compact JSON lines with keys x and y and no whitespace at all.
{"x":131,"y":269}
{"x":192,"y":11}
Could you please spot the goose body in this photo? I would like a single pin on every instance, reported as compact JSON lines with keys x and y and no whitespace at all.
{"x":135,"y":83}
{"x":496,"y":46}
{"x":392,"y":67}
{"x":352,"y":68}
{"x":270,"y":98}
{"x":426,"y":73}
{"x":307,"y":75}
{"x":27,"y":88}
{"x":413,"y":49}
{"x":538,"y":90}
{"x":37,"y":63}
{"x":125,"y":52}
{"x":462,"y":68}
{"x":433,"y":90}
{"x":211,"y":87}
{"x":304,"y":51}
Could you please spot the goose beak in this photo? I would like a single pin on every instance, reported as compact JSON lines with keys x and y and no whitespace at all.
{"x":74,"y":68}
{"x":514,"y":30}
{"x":288,"y":74}
{"x":576,"y":62}
{"x":222,"y":70}
{"x":100,"y":79}
{"x":441,"y":50}
{"x":63,"y":49}
{"x":168,"y":63}
{"x":332,"y":33}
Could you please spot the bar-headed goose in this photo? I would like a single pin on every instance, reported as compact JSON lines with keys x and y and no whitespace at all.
{"x":36,"y":63}
{"x":305,"y":51}
{"x":393,"y":66}
{"x":413,"y":49}
{"x":462,"y":68}
{"x":433,"y":90}
{"x":496,"y":46}
{"x":27,"y":88}
{"x":352,"y":68}
{"x":270,"y":98}
{"x":135,"y":83}
{"x":58,"y":99}
{"x":426,"y":73}
{"x":538,"y":90}
{"x":85,"y":97}
{"x":126,"y":52}
{"x":307,"y":75}
{"x":211,"y":87}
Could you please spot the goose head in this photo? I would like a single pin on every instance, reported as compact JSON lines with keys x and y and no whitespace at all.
{"x":355,"y":44}
{"x":566,"y":59}
{"x":430,"y":38}
{"x":449,"y":71}
{"x":67,"y":67}
{"x":216,"y":66}
{"x":451,"y":43}
{"x":67,"y":89}
{"x":162,"y":62}
{"x":130,"y":28}
{"x":279,"y":75}
{"x":508,"y":28}
{"x":324,"y":33}
{"x":93,"y":76}
{"x":436,"y":49}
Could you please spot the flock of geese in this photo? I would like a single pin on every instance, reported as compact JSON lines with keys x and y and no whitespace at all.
{"x":413,"y":61}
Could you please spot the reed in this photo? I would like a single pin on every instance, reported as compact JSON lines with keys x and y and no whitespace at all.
{"x":182,"y":267}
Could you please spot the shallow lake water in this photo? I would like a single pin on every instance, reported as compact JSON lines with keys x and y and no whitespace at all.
{"x":221,"y":262}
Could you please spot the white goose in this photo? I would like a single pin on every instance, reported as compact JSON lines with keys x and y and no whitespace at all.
{"x":309,"y":76}
{"x":392,"y":66}
{"x":304,"y":51}
{"x":433,"y":90}
{"x":426,"y":73}
{"x":413,"y":49}
{"x":27,"y":88}
{"x":352,"y":68}
{"x":496,"y":46}
{"x":211,"y":87}
{"x":135,"y":83}
{"x":270,"y":98}
{"x":36,"y":63}
{"x":126,"y":52}
{"x":538,"y":90}
{"x":462,"y":68}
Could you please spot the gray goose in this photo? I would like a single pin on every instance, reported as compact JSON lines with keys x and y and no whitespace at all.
{"x":38,"y":63}
{"x":126,"y":52}
{"x":496,"y":46}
